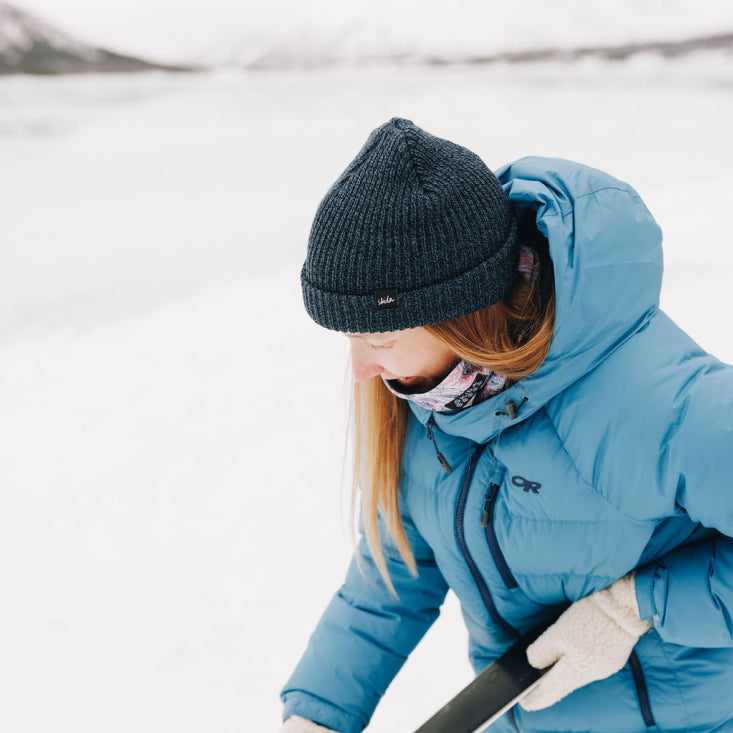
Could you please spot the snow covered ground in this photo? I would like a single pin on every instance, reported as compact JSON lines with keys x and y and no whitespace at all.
{"x":171,"y":434}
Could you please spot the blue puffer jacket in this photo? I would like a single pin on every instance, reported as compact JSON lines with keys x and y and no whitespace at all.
{"x":617,"y":453}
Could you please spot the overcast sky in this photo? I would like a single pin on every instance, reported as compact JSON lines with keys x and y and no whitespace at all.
{"x":175,"y":29}
{"x":169,"y":28}
{"x":164,"y":28}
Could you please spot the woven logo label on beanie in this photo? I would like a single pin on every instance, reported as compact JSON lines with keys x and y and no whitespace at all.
{"x":386,"y":298}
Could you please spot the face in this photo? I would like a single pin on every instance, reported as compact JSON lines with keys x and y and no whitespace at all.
{"x":413,"y":357}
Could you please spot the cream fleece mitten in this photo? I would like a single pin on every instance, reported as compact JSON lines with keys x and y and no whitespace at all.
{"x":592,"y":640}
{"x":296,"y":724}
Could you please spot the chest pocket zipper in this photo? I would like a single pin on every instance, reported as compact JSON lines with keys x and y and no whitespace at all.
{"x":487,"y":522}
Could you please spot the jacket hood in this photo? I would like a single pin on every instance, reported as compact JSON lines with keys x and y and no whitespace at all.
{"x":606,"y":252}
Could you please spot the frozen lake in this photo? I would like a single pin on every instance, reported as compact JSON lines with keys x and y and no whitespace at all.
{"x":172,"y":497}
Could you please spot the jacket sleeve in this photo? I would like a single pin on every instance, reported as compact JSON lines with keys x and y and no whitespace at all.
{"x":365,"y":636}
{"x":687,"y":594}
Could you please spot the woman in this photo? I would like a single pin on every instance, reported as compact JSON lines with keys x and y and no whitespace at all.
{"x":531,"y":432}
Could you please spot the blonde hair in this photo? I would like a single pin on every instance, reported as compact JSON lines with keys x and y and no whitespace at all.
{"x":512,"y":337}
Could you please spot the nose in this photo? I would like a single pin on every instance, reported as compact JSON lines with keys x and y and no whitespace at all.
{"x":363,"y":364}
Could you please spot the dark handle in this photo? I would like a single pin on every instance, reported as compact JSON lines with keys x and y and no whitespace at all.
{"x":489,"y":693}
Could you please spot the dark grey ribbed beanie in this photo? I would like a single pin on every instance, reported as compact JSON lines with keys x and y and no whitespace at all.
{"x":417,"y":230}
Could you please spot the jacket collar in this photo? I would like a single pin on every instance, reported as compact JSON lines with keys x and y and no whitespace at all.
{"x":606,"y":252}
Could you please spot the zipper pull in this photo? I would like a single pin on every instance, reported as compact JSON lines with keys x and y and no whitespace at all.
{"x":441,"y":458}
{"x":443,"y":462}
{"x":493,"y":490}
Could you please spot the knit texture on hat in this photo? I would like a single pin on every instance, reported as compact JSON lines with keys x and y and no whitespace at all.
{"x":417,"y":230}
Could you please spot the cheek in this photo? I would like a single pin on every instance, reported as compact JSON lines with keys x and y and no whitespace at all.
{"x":397,"y":364}
{"x":392,"y":365}
{"x":449,"y":361}
{"x":413,"y":365}
{"x":442,"y":364}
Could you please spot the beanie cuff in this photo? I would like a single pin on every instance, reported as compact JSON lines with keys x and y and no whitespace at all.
{"x":477,"y":288}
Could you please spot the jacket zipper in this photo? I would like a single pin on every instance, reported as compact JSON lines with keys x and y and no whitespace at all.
{"x":461,"y":537}
{"x":641,"y":690}
{"x":441,"y":458}
{"x":487,"y":522}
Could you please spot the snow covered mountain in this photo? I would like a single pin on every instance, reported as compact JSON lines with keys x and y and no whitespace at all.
{"x":29,"y":45}
{"x":307,"y":51}
{"x":325,"y":33}
{"x":474,"y":31}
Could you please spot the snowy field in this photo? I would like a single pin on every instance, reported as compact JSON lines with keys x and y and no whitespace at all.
{"x":173,"y":508}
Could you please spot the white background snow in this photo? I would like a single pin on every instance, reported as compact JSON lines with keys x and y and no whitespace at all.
{"x":172,"y":510}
